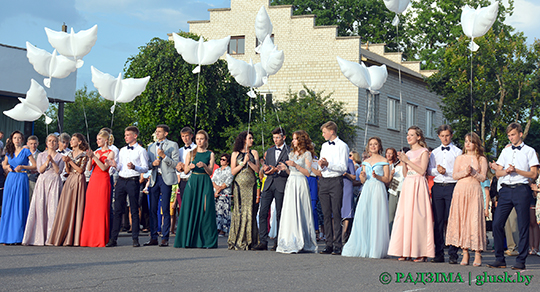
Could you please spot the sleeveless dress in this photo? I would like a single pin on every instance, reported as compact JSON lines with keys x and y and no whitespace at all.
{"x":466,"y":223}
{"x":197,"y":218}
{"x":369,"y":235}
{"x":296,"y":229}
{"x":45,"y":201}
{"x":95,"y":226}
{"x":412,"y":233}
{"x":15,"y":202}
{"x":67,"y":224}
{"x":347,"y":207}
{"x":243,"y":232}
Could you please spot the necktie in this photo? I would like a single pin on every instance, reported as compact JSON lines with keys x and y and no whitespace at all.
{"x":331,"y":143}
{"x":516,"y":147}
{"x":130,"y":147}
{"x":445,"y":148}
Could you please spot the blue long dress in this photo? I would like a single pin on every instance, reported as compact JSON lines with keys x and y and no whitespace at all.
{"x":370,"y":232}
{"x":16,"y":201}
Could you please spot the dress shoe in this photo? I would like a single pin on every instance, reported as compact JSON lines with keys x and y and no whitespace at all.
{"x":111,"y":243}
{"x":274,"y":248}
{"x":518,"y":266}
{"x":498,"y":265}
{"x":151,"y":242}
{"x":511,"y":253}
{"x":164,"y":243}
{"x":136,"y":243}
{"x":336,"y":251}
{"x":326,"y":250}
{"x":438,"y":259}
{"x":261,"y":246}
{"x":452,"y":260}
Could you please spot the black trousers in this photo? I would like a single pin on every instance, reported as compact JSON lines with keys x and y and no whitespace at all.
{"x":266,"y":201}
{"x":125,"y":188}
{"x":331,"y":198}
{"x":441,"y":198}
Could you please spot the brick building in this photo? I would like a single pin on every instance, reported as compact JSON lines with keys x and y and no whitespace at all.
{"x":310,"y":59}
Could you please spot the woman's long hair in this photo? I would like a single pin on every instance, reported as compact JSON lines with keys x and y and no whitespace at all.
{"x":240,"y":142}
{"x":84,"y":145}
{"x":420,"y":134}
{"x":10,"y":147}
{"x":478,"y":149}
{"x":304,"y":143}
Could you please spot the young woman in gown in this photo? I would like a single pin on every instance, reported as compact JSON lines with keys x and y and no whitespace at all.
{"x":46,"y":194}
{"x":466,"y":223}
{"x":15,"y":202}
{"x":369,"y":234}
{"x":96,"y":220}
{"x":296,"y":229}
{"x":67,"y":224}
{"x":412,"y":233}
{"x":197,"y":219}
{"x":243,"y":233}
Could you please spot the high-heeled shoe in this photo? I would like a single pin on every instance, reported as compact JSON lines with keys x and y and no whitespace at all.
{"x":402,"y":259}
{"x":420,"y":259}
{"x":466,"y":258}
{"x":477,"y":259}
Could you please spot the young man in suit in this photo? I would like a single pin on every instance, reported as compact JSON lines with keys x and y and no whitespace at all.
{"x":163,"y":157}
{"x":274,"y":186}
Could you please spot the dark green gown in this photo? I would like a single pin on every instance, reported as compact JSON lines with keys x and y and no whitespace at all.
{"x":197,"y":224}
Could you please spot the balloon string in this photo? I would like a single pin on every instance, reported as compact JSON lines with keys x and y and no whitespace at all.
{"x":249,"y":121}
{"x":400,"y":95}
{"x":197,"y":100}
{"x":112,"y":119}
{"x":263,"y":120}
{"x":85,"y":121}
{"x":369,"y":95}
{"x":471,"y":89}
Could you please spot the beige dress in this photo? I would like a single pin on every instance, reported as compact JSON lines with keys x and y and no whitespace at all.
{"x":67,"y":224}
{"x":466,"y":223}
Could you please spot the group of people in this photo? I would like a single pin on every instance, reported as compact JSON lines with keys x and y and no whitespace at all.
{"x":252,"y":199}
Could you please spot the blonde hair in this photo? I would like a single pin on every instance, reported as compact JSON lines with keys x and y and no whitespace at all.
{"x":420,"y":134}
{"x":109,"y":137}
{"x":194,"y":151}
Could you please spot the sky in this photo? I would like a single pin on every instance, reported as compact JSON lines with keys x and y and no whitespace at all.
{"x":125,"y":25}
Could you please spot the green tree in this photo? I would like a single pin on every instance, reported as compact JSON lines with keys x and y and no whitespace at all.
{"x":503,"y":88}
{"x":368,"y":19}
{"x":170,"y":96}
{"x":295,"y":112}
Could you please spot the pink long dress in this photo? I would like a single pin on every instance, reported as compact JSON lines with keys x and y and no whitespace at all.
{"x":412,"y":234}
{"x":466,"y":223}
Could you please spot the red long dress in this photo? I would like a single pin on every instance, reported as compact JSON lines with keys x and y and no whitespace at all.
{"x":95,"y":228}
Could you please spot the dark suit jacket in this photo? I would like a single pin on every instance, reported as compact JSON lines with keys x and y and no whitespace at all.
{"x":278,"y":179}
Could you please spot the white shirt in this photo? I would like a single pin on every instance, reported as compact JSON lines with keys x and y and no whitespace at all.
{"x":337,"y":156}
{"x":522,"y":159}
{"x":137,"y":156}
{"x":446,"y":159}
{"x":183,"y":158}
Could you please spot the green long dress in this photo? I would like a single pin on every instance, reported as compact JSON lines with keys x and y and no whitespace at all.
{"x":197,"y":219}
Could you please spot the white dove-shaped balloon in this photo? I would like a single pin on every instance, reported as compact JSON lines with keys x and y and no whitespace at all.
{"x":263,"y":27}
{"x":49,"y":65}
{"x":33,"y":106}
{"x":74,"y":45}
{"x":200,"y":52}
{"x":397,"y":6}
{"x":271,"y":58}
{"x":372,"y":78}
{"x":118,"y":89}
{"x":246,"y":74}
{"x":476,"y":22}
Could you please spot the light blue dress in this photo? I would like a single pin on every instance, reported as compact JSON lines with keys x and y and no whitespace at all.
{"x":16,"y":201}
{"x":370,"y":235}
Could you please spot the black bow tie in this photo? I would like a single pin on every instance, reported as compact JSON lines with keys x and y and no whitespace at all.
{"x":331,"y":143}
{"x":516,"y":147}
{"x":157,"y":144}
{"x":445,"y":148}
{"x":131,"y":147}
{"x":278,"y":149}
{"x":187,"y":147}
{"x":61,"y":151}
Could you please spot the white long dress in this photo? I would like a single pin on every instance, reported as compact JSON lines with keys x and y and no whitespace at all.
{"x":296,"y":229}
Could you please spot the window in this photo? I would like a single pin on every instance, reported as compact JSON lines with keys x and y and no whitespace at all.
{"x":411,"y":114}
{"x":257,"y":40}
{"x":237,"y":45}
{"x":430,"y":123}
{"x":394,"y":116}
{"x":372,"y":109}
